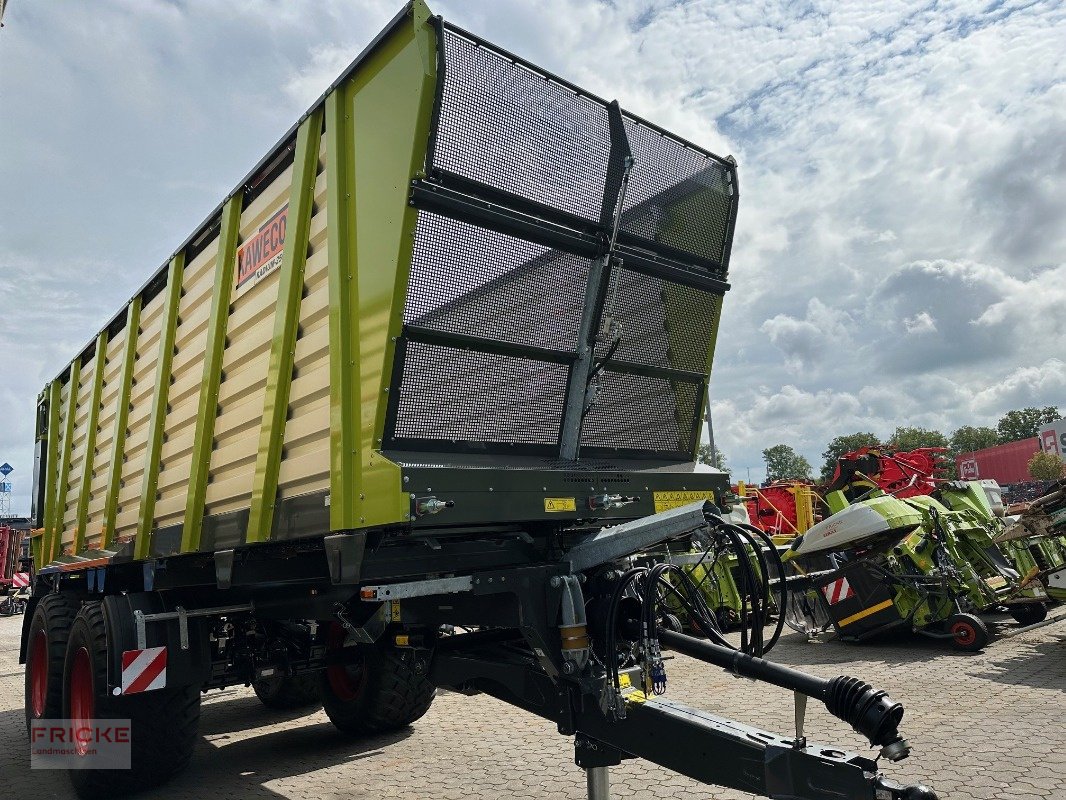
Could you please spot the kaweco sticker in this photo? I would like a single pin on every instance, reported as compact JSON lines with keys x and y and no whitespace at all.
{"x":261,"y":254}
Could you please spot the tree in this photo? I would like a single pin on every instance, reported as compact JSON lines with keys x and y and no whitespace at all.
{"x":844,"y":444}
{"x":1024,"y":423}
{"x":904,"y":439}
{"x":715,"y":459}
{"x":784,"y":463}
{"x":969,"y":439}
{"x":1046,"y":466}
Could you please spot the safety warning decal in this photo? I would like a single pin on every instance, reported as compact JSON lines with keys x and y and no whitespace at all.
{"x":838,"y":591}
{"x":555,"y":504}
{"x":261,"y":254}
{"x":664,"y":501}
{"x":144,"y":670}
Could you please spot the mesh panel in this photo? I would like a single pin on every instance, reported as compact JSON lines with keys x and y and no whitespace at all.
{"x":664,"y":324}
{"x":472,"y":281}
{"x":640,"y":412}
{"x":513,"y":129}
{"x":677,"y":196}
{"x":463,"y":395}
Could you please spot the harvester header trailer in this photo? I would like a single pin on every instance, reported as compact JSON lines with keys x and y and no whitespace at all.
{"x":477,"y":368}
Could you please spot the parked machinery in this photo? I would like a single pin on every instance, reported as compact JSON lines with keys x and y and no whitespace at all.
{"x":925,"y":562}
{"x":1041,"y":529}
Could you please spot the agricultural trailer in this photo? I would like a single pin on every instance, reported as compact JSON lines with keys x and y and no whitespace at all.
{"x":394,"y":417}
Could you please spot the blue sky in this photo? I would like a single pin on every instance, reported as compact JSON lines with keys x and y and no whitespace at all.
{"x":899,"y":256}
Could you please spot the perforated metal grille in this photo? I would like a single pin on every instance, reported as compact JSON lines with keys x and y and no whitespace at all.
{"x":677,"y":196}
{"x":664,"y":324}
{"x":476,"y":282}
{"x":636,"y":411}
{"x":467,"y":396}
{"x":514,"y":129}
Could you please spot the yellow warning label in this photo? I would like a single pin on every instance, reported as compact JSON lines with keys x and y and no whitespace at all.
{"x":552,"y":504}
{"x":394,"y":610}
{"x":664,"y":501}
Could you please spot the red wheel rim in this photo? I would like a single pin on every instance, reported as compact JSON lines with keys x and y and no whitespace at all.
{"x":346,"y":680}
{"x":81,"y":700}
{"x":963,"y":632}
{"x":39,"y":674}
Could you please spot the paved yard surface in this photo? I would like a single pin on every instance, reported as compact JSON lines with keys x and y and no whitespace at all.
{"x":989,"y":725}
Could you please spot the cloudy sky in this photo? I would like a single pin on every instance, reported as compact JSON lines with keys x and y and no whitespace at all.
{"x":900,"y":256}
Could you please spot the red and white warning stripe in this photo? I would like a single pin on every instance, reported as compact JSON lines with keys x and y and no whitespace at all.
{"x":20,"y":580}
{"x":144,"y":670}
{"x":837,"y":591}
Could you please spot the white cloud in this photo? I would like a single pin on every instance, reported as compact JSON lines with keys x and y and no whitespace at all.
{"x":1039,"y":385}
{"x":920,"y":323}
{"x":805,"y":342}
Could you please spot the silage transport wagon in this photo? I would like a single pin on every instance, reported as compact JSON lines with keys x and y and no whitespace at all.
{"x":393,"y":417}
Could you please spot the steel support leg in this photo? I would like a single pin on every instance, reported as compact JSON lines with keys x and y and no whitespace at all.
{"x":599,"y":783}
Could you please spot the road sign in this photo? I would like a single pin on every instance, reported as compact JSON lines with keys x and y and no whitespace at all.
{"x":6,"y":469}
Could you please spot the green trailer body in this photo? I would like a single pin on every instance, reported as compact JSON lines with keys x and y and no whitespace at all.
{"x":345,"y":317}
{"x":395,"y":417}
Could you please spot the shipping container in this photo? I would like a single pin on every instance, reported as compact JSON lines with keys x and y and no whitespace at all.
{"x":1004,"y":463}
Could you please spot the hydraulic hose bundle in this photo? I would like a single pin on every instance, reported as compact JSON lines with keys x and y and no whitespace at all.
{"x":868,"y":710}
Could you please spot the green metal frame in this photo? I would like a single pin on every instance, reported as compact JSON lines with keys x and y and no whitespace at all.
{"x":215,"y":348}
{"x":90,"y":443}
{"x":392,"y":111}
{"x":55,"y":537}
{"x":122,"y":415}
{"x":286,"y":324}
{"x":154,"y":445}
{"x":43,"y":553}
{"x":344,"y":396}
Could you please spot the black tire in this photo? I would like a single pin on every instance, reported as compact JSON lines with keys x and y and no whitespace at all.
{"x":47,"y":639}
{"x":968,"y":631}
{"x":163,"y":723}
{"x":378,"y":693}
{"x":286,"y":694}
{"x":1028,"y":614}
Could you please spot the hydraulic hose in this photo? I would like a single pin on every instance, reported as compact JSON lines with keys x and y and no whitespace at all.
{"x":869,"y":711}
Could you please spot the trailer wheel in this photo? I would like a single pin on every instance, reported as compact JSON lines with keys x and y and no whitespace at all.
{"x":46,"y":649}
{"x":1028,"y":614}
{"x":379,"y":692}
{"x":163,"y":723}
{"x":969,"y":631}
{"x":286,"y":694}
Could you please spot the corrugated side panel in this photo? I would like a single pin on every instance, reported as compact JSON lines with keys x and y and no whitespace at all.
{"x":305,"y":461}
{"x":60,"y":515}
{"x":78,"y":451}
{"x":244,"y":369}
{"x":105,"y":436}
{"x":190,"y":339}
{"x":141,"y":394}
{"x":305,"y":465}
